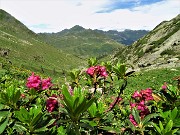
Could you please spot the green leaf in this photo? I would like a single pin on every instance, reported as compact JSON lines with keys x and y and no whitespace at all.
{"x":174,"y":113}
{"x":123,"y":69}
{"x":16,"y":96}
{"x":80,"y":108}
{"x":148,"y":117}
{"x":44,"y":125}
{"x":4,"y":99}
{"x":68,"y":99}
{"x":161,"y":126}
{"x":19,"y":127}
{"x":23,"y":115}
{"x":92,"y":61}
{"x":83,"y":106}
{"x":3,"y":113}
{"x":92,"y":110}
{"x":175,"y":130}
{"x":72,"y":75}
{"x":111,"y":129}
{"x":157,"y":128}
{"x":51,"y":122}
{"x":76,"y":102}
{"x":61,"y":131}
{"x":131,"y":125}
{"x":66,"y":93}
{"x":88,"y":104}
{"x":36,"y":118}
{"x":169,"y":126}
{"x":136,"y":116}
{"x":3,"y":125}
{"x":41,"y":129}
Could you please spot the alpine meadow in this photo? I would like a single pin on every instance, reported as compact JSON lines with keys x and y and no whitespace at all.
{"x":81,"y":81}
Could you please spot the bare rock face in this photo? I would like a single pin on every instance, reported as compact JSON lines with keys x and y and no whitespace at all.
{"x":159,"y":48}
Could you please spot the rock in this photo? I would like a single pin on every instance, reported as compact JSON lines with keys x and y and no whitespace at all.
{"x":173,"y":60}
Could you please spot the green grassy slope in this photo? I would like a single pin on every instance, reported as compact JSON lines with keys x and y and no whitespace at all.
{"x":151,"y":79}
{"x":26,"y":49}
{"x":81,"y":42}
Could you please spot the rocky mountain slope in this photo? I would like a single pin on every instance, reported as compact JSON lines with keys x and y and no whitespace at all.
{"x":22,"y":47}
{"x":159,"y":48}
{"x":82,"y":42}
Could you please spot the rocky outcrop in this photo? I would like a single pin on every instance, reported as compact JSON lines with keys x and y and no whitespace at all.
{"x":159,"y":48}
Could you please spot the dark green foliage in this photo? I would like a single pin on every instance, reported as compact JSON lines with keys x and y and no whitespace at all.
{"x":168,"y":52}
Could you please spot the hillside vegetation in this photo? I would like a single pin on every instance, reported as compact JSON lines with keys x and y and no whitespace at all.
{"x":22,"y":47}
{"x":159,"y":48}
{"x":81,"y":42}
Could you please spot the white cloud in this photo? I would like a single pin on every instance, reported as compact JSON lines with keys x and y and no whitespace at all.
{"x":57,"y":15}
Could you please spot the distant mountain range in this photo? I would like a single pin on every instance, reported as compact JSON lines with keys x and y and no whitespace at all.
{"x":83,"y":43}
{"x":126,"y":37}
{"x":87,"y":42}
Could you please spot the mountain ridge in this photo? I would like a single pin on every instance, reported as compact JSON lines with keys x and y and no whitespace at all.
{"x":23,"y":48}
{"x":82,"y":42}
{"x":159,"y":48}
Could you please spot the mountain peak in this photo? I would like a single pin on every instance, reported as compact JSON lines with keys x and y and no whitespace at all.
{"x":4,"y":15}
{"x":77,"y":28}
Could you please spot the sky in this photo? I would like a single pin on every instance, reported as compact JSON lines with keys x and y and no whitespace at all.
{"x":56,"y":15}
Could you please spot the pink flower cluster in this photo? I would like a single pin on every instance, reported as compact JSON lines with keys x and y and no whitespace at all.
{"x":35,"y":82}
{"x":141,"y":97}
{"x":51,"y":103}
{"x":97,"y":70}
{"x":144,"y":95}
{"x":131,"y":118}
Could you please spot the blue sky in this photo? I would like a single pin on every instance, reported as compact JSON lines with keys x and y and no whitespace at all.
{"x":126,"y":4}
{"x":56,"y":15}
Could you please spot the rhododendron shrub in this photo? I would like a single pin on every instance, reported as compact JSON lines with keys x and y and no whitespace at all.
{"x":97,"y":71}
{"x":51,"y":103}
{"x":46,"y":83}
{"x":141,"y":99}
{"x":35,"y":82}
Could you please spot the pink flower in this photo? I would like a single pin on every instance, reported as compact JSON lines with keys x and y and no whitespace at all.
{"x":133,"y":105}
{"x":46,"y":83}
{"x":136,"y":95}
{"x":33,"y":82}
{"x":164,"y":87}
{"x":143,"y":95}
{"x":97,"y":70}
{"x":147,"y":94}
{"x":141,"y":106}
{"x":51,"y":103}
{"x":90,"y":71}
{"x":131,"y":118}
